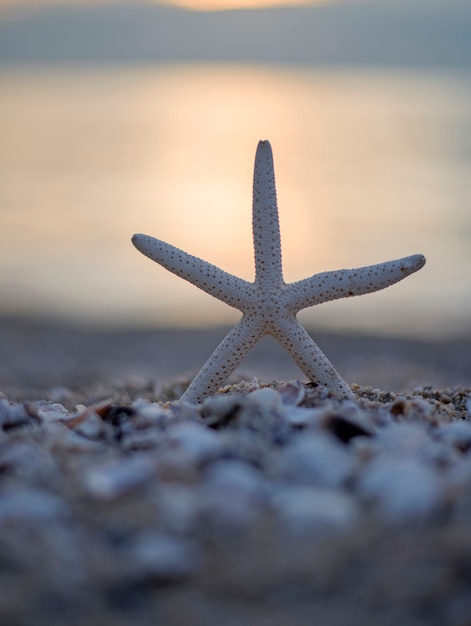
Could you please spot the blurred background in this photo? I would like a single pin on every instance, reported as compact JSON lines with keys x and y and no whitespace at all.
{"x":124,"y":117}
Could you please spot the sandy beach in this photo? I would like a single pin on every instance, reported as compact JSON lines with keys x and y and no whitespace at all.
{"x":37,"y":356}
{"x":275,"y":503}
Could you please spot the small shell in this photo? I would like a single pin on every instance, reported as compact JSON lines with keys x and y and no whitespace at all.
{"x":16,"y":415}
{"x":220,"y":410}
{"x":402,"y":490}
{"x":114,"y":479}
{"x":266,"y":398}
{"x":457,"y":434}
{"x":414,"y":409}
{"x":315,"y":459}
{"x":58,"y":436}
{"x":194,"y":442}
{"x":292,"y":393}
{"x":150,"y":414}
{"x":49,"y":411}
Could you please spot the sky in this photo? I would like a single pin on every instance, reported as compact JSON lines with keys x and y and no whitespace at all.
{"x":190,"y":4}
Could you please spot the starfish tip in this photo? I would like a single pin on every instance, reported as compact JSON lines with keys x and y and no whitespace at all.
{"x":138,"y":240}
{"x":419,"y":261}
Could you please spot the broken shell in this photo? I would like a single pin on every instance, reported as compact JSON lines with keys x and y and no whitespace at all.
{"x":292,"y":393}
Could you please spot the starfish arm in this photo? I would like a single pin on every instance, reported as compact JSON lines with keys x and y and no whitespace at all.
{"x":265,"y":222}
{"x":207,"y":277}
{"x":309,"y":357}
{"x":345,"y":283}
{"x":223,"y":361}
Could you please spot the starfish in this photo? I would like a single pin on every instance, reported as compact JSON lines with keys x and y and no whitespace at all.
{"x":269,"y":305}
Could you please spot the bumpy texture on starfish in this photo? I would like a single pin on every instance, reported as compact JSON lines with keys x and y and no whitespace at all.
{"x":269,"y":305}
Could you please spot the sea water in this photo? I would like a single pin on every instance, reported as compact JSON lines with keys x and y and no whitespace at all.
{"x":370,"y":166}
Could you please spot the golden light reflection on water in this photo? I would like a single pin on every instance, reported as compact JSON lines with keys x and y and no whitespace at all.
{"x":368,"y":168}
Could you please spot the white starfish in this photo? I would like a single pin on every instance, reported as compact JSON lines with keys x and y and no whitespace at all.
{"x":269,"y":305}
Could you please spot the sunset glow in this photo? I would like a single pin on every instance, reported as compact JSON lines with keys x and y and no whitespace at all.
{"x":197,"y":5}
{"x":218,"y":5}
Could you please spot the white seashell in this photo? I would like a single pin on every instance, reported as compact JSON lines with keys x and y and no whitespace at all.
{"x":150,"y":414}
{"x":292,"y":393}
{"x":93,"y":426}
{"x":146,"y":439}
{"x":315,"y":459}
{"x":58,"y":435}
{"x":50,"y":411}
{"x":300,"y":416}
{"x":303,"y":509}
{"x":402,"y":489}
{"x":233,"y":476}
{"x":266,"y":398}
{"x":195,"y":442}
{"x":117,"y":478}
{"x":14,"y":416}
{"x":456,"y":434}
{"x":221,"y":410}
{"x":402,"y":438}
{"x":232,"y":494}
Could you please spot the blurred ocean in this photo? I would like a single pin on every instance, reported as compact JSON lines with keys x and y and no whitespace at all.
{"x":370,"y":166}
